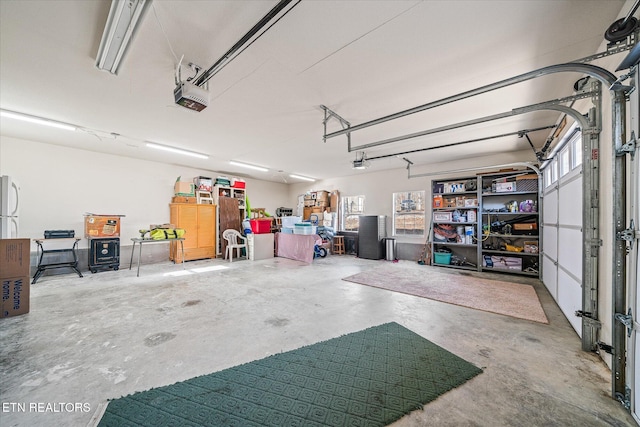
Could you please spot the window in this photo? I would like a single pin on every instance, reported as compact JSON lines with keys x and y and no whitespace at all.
{"x":547,"y":177}
{"x":352,"y":208}
{"x":564,"y":161}
{"x":553,"y":169}
{"x":576,"y":150}
{"x":408,"y":213}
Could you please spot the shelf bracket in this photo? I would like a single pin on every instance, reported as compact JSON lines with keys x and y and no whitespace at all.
{"x":329,"y":114}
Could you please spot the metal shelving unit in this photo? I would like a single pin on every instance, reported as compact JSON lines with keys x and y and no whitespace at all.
{"x":499,"y":208}
{"x":510,"y":223}
{"x":455,"y":223}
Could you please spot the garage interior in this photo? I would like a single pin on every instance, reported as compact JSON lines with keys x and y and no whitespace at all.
{"x":406,"y":113}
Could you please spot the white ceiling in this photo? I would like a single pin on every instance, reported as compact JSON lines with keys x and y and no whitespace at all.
{"x":362,"y":59}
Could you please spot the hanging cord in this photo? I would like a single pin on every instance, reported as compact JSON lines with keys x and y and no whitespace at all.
{"x":163,"y":31}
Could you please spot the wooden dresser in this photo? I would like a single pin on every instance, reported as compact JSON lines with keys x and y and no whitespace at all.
{"x":199,"y":222}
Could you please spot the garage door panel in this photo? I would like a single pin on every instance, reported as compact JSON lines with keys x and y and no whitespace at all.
{"x":550,"y":239}
{"x":550,"y":276}
{"x":550,"y":207}
{"x":571,"y":258}
{"x":570,"y":299}
{"x":570,"y":195}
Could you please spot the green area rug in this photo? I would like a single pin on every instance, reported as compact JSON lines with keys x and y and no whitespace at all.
{"x":367,"y":378}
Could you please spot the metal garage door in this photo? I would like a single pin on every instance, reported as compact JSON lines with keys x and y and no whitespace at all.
{"x":633,"y":295}
{"x":562,"y":229}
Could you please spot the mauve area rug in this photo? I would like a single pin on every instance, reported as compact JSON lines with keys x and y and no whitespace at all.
{"x":459,"y":288}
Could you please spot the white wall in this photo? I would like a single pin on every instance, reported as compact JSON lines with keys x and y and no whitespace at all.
{"x":59,"y":184}
{"x":378,"y":186}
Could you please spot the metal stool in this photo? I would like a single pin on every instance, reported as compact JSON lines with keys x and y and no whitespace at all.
{"x":338,"y":245}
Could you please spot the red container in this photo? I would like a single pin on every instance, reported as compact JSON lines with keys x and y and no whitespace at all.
{"x":260,"y":225}
{"x":238,"y":183}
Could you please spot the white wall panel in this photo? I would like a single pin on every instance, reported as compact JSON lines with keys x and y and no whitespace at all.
{"x":570,"y":250}
{"x":550,"y":276}
{"x":550,"y":207}
{"x":550,"y":242}
{"x":570,"y":299}
{"x":570,"y":198}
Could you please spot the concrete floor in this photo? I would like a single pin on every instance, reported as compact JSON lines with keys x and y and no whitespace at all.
{"x":109,"y":334}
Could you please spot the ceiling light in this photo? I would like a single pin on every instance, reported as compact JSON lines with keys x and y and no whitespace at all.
{"x":37,"y":120}
{"x":118,"y":31}
{"x":304,"y":178}
{"x":176,"y":150}
{"x":244,"y":165}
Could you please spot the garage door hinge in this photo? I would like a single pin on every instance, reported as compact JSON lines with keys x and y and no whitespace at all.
{"x":605,"y":347}
{"x":595,"y":244}
{"x":628,"y":234}
{"x":626,"y":320}
{"x":626,"y":399}
{"x":588,"y":319}
{"x":630,"y":147}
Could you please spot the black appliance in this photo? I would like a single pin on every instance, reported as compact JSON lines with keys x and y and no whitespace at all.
{"x":59,"y":234}
{"x":104,"y":252}
{"x":372,"y":229}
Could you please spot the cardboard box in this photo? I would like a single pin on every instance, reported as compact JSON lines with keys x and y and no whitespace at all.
{"x":499,"y":262}
{"x":505,"y":187}
{"x":15,"y":296}
{"x":531,"y":247}
{"x":183,"y":199}
{"x":322,"y":196}
{"x":442,"y":216}
{"x":101,"y":226}
{"x":334,"y":198}
{"x":182,"y":188}
{"x":470,"y":203}
{"x":14,"y":257}
{"x":449,"y":202}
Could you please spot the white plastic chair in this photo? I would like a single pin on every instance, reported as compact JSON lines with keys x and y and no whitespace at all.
{"x":232,"y":236}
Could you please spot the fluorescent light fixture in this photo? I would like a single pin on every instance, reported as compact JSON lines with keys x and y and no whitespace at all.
{"x":36,"y":120}
{"x":304,"y":178}
{"x":176,"y":150}
{"x":118,"y":31}
{"x":244,"y":165}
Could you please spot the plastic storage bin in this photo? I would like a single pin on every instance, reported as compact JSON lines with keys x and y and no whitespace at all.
{"x":306,"y":228}
{"x":442,"y":258}
{"x":290,"y":221}
{"x":260,"y":225}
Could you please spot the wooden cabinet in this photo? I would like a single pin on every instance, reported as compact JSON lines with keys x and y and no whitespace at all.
{"x":199,"y":222}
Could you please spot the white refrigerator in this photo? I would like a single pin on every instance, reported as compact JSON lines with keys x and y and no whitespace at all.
{"x":9,"y":207}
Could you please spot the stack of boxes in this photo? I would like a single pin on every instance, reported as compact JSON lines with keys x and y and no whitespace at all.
{"x":185,"y":192}
{"x":318,"y":202}
{"x":14,"y":275}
